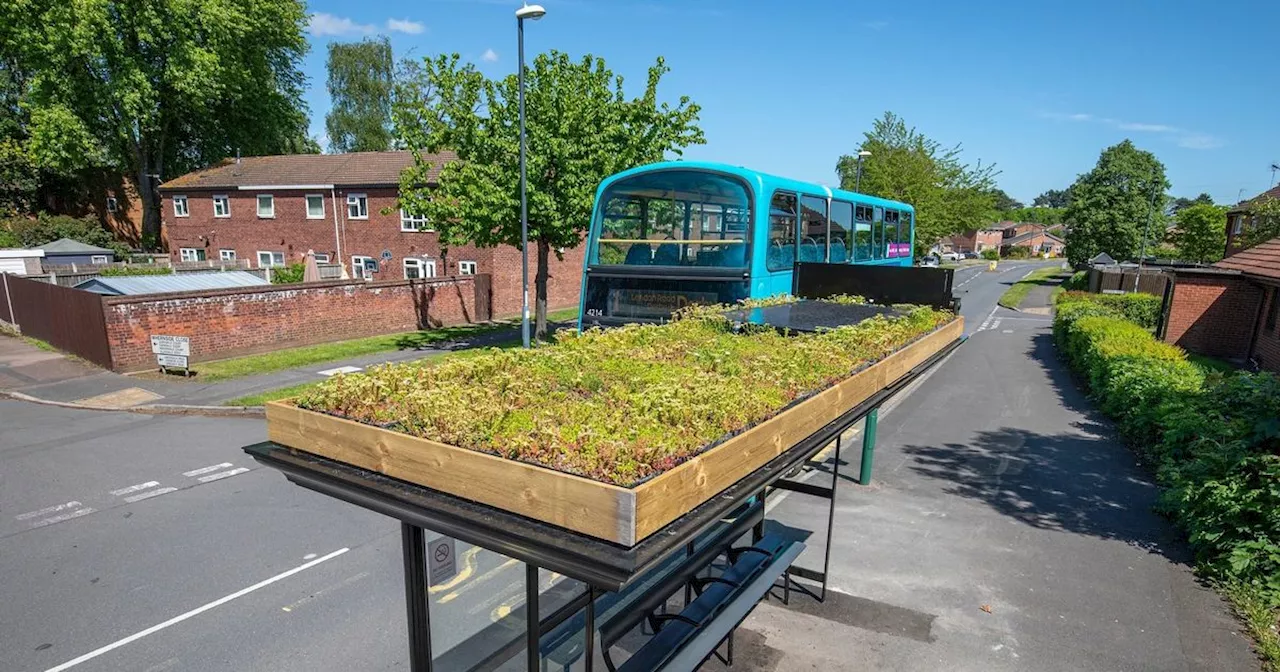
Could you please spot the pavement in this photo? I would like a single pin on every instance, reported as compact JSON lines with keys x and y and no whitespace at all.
{"x":1006,"y":529}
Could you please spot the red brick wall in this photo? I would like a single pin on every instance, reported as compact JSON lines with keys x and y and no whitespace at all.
{"x":232,"y":322}
{"x":1266,"y":347}
{"x":293,"y":234}
{"x":1213,"y":314}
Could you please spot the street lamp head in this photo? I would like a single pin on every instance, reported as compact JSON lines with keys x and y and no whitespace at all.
{"x":534,"y":12}
{"x":863,"y":153}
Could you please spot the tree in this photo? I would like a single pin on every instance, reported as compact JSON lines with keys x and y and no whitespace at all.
{"x":1111,"y":204}
{"x":1004,"y":202}
{"x":1201,"y":233}
{"x":1263,"y":222}
{"x":581,"y":129}
{"x":1039,"y":215}
{"x":949,"y":195}
{"x":1053,"y":199}
{"x":1180,"y":203}
{"x":156,"y":88}
{"x":360,"y":86}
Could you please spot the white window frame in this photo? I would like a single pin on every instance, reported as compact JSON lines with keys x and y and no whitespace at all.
{"x":112,"y":204}
{"x":357,"y":267}
{"x":226,"y":255}
{"x":270,"y":215}
{"x":272,"y":254}
{"x":183,"y":211}
{"x":322,"y":258}
{"x":468,"y":267}
{"x":361,"y":203}
{"x":410,"y":223}
{"x":99,"y":259}
{"x":307,"y":201}
{"x":189,"y":254}
{"x":223,"y":200}
{"x":416,"y":263}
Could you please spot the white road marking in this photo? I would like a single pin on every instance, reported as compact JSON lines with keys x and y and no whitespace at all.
{"x":66,"y":516}
{"x":995,"y":325}
{"x":340,"y":369}
{"x":987,"y":322}
{"x":223,"y":474}
{"x":135,"y":488}
{"x":205,"y":470}
{"x":149,"y":494}
{"x":194,"y":612}
{"x":1006,"y":331}
{"x":1028,"y":274}
{"x":47,"y":510}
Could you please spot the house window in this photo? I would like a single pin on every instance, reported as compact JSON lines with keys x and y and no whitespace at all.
{"x":99,"y":259}
{"x":466,"y":268}
{"x":270,"y":259}
{"x":191,"y":254}
{"x":227,"y":255}
{"x":221,"y":206}
{"x":413,"y":222}
{"x":414,"y":269}
{"x":357,"y":206}
{"x":322,"y":258}
{"x":363,"y":267}
{"x":315,"y":206}
{"x":266,"y":206}
{"x":112,"y":206}
{"x":180,"y":206}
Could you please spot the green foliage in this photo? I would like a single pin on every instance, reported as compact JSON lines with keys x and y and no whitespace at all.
{"x":1078,"y":282}
{"x":1036,"y":214}
{"x":19,"y":179}
{"x":158,"y":87}
{"x":1141,"y":309}
{"x":360,"y":86}
{"x":580,"y":128}
{"x":1264,"y":222}
{"x":1201,"y":233}
{"x":1110,"y":205}
{"x":616,"y":405}
{"x":949,"y":195}
{"x":1053,"y":198}
{"x":1004,"y":202}
{"x":1180,"y":203}
{"x":1213,"y":440}
{"x":46,"y":228}
{"x":8,"y":239}
{"x":1018,"y":252}
{"x":111,"y":271}
{"x":288,"y":274}
{"x":990,"y":254}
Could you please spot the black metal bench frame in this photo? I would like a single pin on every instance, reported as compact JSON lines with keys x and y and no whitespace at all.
{"x":601,"y":565}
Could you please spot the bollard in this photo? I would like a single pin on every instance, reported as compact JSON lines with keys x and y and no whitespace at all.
{"x":868,"y":447}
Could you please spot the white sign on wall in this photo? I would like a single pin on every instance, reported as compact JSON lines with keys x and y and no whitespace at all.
{"x":171,"y":345}
{"x":442,"y":560}
{"x":174,"y":361}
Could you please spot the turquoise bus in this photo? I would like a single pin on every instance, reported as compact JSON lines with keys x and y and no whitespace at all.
{"x":667,"y":235}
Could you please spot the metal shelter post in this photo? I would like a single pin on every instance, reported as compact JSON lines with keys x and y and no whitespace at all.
{"x":532,"y":618}
{"x":414,"y":545}
{"x":868,"y":447}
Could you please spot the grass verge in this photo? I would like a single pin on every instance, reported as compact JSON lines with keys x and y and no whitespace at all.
{"x":1211,"y":364}
{"x":1261,"y":621}
{"x":1019,"y":290}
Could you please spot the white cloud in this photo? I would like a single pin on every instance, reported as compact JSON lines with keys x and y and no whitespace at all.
{"x":1199,"y":141}
{"x":1185,"y":138}
{"x":489,"y":56}
{"x":323,"y":24}
{"x":1146,"y":128}
{"x":405,"y":26}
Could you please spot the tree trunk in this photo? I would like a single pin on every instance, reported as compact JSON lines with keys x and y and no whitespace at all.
{"x":149,"y":193}
{"x":540,"y":281}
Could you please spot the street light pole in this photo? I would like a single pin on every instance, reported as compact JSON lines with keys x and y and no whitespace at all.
{"x":862,"y":154}
{"x":533,"y":12}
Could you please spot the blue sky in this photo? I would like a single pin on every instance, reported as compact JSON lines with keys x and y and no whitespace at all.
{"x":1038,"y":88}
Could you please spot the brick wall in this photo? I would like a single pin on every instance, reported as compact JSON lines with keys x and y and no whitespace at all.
{"x":291,"y":233}
{"x":1266,"y":346}
{"x":233,"y":322}
{"x":1213,"y":314}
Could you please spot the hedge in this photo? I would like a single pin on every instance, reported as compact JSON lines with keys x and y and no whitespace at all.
{"x":1213,"y":440}
{"x":1144,"y":309}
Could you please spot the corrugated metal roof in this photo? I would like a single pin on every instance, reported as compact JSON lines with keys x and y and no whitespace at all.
{"x":178,"y":282}
{"x":70,"y":246}
{"x":354,"y":169}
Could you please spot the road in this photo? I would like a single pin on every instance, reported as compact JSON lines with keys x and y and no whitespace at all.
{"x":131,"y":542}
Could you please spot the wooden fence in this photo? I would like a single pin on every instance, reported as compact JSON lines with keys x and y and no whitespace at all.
{"x":1151,"y":281}
{"x":68,"y":319}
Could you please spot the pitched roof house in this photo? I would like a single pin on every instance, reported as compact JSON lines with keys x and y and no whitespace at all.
{"x":1240,"y":218}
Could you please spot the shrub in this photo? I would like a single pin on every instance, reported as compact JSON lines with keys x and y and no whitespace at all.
{"x":1078,"y":282}
{"x":1143,"y":309}
{"x":990,"y":254}
{"x":1018,"y":252}
{"x":46,"y":228}
{"x":110,"y":271}
{"x":288,"y":274}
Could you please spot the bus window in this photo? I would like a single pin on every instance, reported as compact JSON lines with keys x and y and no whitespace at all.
{"x":813,"y":228}
{"x":841,"y":232}
{"x":877,"y":234}
{"x":862,"y":233}
{"x":890,"y":233}
{"x":782,"y":232}
{"x":673,"y":218}
{"x":904,"y":235}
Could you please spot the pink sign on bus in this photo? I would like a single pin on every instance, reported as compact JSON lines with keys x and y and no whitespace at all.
{"x":899,"y":249}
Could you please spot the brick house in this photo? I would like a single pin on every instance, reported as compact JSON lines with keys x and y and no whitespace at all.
{"x":1034,"y":237}
{"x":1229,"y":309}
{"x":1239,"y":219}
{"x":977,"y":240}
{"x":270,"y":210}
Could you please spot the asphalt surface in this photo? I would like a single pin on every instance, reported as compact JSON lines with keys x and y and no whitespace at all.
{"x":995,"y":485}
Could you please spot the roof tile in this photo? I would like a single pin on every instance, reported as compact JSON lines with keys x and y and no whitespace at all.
{"x":1262,"y":260}
{"x":354,"y":169}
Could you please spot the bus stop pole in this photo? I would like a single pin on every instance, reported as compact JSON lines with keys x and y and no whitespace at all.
{"x":414,"y":545}
{"x":868,"y":446}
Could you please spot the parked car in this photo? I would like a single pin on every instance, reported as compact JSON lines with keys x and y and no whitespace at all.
{"x":970,"y":255}
{"x":929,"y":262}
{"x":950,"y":256}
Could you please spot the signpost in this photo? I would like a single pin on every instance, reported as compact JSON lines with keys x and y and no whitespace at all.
{"x":172,"y":352}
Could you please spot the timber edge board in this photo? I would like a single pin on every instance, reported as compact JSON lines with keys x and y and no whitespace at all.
{"x":606,"y":511}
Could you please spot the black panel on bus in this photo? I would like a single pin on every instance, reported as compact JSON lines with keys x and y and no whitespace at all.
{"x":613,"y":300}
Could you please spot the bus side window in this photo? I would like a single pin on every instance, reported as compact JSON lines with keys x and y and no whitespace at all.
{"x":862,"y":232}
{"x":841,"y":232}
{"x":904,"y":235}
{"x":890,"y":233}
{"x":877,"y":234}
{"x":781,"y":253}
{"x":813,"y":228}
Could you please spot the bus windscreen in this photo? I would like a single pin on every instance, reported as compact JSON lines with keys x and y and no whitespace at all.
{"x":673,"y":218}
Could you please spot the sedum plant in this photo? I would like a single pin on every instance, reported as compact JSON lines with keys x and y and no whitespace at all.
{"x":617,"y":405}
